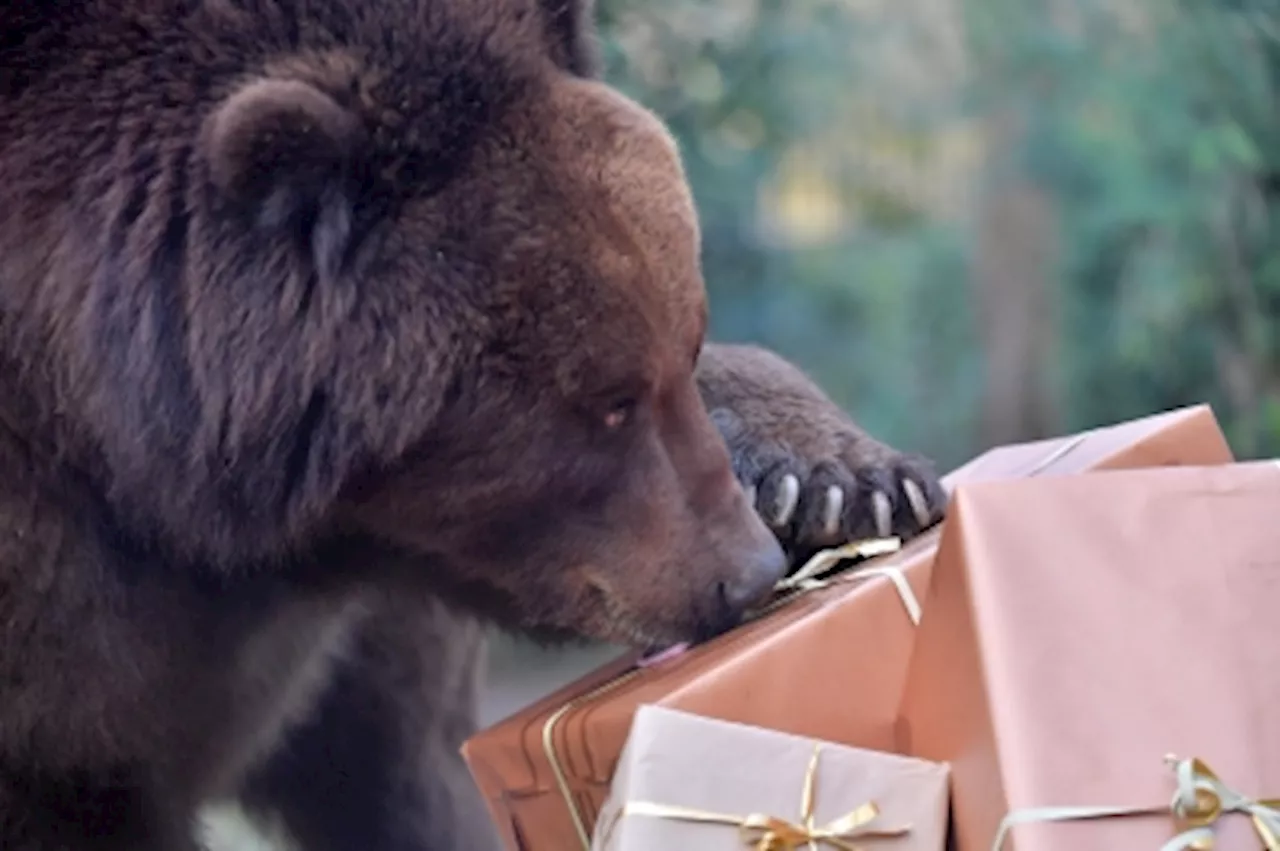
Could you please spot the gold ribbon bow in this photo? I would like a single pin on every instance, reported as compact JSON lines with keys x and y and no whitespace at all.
{"x":1202,"y":798}
{"x":1199,"y":801}
{"x":770,"y":833}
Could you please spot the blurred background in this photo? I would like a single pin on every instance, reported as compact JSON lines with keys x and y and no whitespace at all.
{"x":975,"y":221}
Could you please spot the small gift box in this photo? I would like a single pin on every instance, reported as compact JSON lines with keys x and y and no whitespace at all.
{"x":684,"y":781}
{"x":545,"y":771}
{"x":1095,"y":648}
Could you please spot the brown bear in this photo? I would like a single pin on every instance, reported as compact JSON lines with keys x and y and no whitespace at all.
{"x":327,"y":327}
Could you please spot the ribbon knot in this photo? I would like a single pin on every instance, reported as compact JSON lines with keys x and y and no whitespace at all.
{"x":768,"y":833}
{"x":763,"y":832}
{"x":1202,"y":798}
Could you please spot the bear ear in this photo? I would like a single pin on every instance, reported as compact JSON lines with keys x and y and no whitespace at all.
{"x":283,"y":151}
{"x":571,"y":29}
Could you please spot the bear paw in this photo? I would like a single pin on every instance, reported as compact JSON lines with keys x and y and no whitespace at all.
{"x":833,"y":488}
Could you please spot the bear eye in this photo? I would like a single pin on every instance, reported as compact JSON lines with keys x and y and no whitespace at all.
{"x":620,"y":414}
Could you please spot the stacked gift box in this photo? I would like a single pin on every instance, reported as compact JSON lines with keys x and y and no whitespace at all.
{"x":1084,"y":655}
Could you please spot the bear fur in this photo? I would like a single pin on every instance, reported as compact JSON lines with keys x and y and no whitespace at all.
{"x":326,"y":329}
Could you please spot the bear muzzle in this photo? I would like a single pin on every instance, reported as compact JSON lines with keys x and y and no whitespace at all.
{"x":744,"y":561}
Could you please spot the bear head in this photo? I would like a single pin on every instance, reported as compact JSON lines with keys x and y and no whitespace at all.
{"x":397,"y":273}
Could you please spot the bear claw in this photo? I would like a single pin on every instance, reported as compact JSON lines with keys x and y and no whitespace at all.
{"x":919,"y":505}
{"x":882,"y":510}
{"x":786,"y":501}
{"x":833,"y":510}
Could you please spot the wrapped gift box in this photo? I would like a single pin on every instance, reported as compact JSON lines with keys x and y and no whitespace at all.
{"x":1081,"y":629}
{"x":684,"y":781}
{"x":545,"y":770}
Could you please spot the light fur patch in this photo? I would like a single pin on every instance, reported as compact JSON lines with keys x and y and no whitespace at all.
{"x":280,"y":673}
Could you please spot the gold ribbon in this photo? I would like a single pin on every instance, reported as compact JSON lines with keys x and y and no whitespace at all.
{"x":1199,"y":801}
{"x":553,"y":758}
{"x":822,"y":562}
{"x":816,"y":574}
{"x":769,"y":833}
{"x":812,"y":576}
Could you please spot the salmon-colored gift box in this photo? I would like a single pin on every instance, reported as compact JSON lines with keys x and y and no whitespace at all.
{"x":1078,"y":631}
{"x":830,"y":665}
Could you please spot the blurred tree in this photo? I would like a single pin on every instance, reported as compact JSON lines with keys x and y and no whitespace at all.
{"x":984,"y":220}
{"x":818,"y":190}
{"x":1016,"y":232}
{"x":1152,"y":146}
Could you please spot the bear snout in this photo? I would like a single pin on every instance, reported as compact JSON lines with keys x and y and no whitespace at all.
{"x":746,"y":562}
{"x":759,"y":570}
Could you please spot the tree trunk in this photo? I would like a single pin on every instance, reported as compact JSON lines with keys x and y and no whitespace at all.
{"x":1013,"y":282}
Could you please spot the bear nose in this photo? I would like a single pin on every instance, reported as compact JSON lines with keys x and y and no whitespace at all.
{"x":760,"y":570}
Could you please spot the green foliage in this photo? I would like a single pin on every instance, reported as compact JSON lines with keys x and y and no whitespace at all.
{"x":835,"y":150}
{"x":764,"y":97}
{"x":1154,"y":151}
